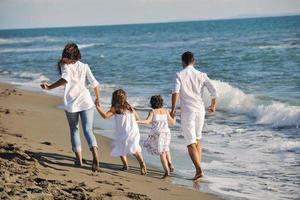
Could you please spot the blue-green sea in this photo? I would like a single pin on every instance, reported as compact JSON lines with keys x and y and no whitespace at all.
{"x":251,"y":144}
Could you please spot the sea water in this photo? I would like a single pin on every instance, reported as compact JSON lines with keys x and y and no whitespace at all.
{"x":251,"y":144}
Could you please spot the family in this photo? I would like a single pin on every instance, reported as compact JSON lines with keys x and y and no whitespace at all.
{"x":78,"y":104}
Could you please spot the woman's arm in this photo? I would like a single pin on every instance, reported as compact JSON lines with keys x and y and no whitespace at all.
{"x":148,"y":120}
{"x":97,"y":94}
{"x":171,"y":120}
{"x":56,"y":84}
{"x":107,"y":114}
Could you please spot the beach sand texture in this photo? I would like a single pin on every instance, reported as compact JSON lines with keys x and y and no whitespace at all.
{"x":36,"y":161}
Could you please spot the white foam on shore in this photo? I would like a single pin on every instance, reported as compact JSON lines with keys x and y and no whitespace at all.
{"x":276,"y":114}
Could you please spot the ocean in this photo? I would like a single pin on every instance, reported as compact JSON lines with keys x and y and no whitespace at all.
{"x":251,"y":144}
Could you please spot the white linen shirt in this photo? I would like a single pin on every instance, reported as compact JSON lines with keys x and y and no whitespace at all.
{"x":76,"y":94}
{"x":189,"y":83}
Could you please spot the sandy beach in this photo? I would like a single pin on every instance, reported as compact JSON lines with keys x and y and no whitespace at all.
{"x":36,"y":161}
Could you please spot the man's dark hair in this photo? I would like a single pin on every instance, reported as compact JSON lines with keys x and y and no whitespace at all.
{"x":187,"y":58}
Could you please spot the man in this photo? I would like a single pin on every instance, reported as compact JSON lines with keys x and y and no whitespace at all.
{"x":188,"y":86}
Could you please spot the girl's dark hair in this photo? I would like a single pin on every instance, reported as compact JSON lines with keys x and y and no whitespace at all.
{"x":188,"y":58}
{"x":70,"y":54}
{"x":156,"y":102}
{"x":119,"y":102}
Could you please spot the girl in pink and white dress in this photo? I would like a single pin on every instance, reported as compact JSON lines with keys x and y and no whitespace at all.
{"x":158,"y":141}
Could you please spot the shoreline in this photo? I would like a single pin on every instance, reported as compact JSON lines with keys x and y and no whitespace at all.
{"x":44,"y":149}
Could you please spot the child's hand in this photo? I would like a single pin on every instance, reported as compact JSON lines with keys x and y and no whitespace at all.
{"x":211,"y":109}
{"x":45,"y":86}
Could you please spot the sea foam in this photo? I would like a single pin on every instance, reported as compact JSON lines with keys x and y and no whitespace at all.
{"x":234,"y":100}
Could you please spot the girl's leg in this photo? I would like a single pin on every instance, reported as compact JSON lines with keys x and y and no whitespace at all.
{"x":164,"y":162}
{"x":139,"y":157}
{"x":169,"y":160}
{"x":73,"y":119}
{"x":87,"y":117}
{"x":125,"y":163}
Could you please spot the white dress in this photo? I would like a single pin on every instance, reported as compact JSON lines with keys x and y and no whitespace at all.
{"x":127,"y":135}
{"x":159,"y":138}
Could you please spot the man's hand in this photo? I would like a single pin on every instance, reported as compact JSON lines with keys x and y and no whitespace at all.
{"x":45,"y":86}
{"x":173,"y":112}
{"x":211,"y":109}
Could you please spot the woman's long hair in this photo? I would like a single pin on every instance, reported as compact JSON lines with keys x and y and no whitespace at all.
{"x":119,"y":102}
{"x":70,"y":54}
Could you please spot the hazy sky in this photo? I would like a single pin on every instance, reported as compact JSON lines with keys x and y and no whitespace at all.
{"x":53,"y":13}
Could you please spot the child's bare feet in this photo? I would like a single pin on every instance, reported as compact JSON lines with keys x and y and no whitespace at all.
{"x":124,"y":168}
{"x":171,"y":167}
{"x":143,"y":169}
{"x":166,"y":175}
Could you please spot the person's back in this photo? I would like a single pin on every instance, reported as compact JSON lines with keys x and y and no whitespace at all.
{"x":76,"y":96}
{"x":192,"y":84}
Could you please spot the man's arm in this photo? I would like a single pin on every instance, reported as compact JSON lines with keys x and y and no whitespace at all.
{"x":174,"y":103}
{"x":213,"y":93}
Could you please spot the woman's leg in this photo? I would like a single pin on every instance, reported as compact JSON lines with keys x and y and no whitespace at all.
{"x":169,"y":160}
{"x":139,"y":157}
{"x":125,"y":163}
{"x":75,"y":137}
{"x":164,"y":162}
{"x":87,"y":117}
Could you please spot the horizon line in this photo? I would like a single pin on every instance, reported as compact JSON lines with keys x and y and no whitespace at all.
{"x":161,"y":22}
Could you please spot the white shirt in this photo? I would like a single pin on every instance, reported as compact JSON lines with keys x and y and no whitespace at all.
{"x":189,"y":83}
{"x":76,"y":95}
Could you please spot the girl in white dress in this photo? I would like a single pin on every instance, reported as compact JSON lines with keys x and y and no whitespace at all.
{"x":158,"y":141}
{"x":127,"y":131}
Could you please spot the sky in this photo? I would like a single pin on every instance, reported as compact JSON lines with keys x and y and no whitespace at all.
{"x":59,"y":13}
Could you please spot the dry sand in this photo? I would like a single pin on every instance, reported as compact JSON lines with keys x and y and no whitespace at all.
{"x":36,"y":161}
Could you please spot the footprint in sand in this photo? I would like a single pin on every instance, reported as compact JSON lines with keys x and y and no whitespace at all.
{"x":46,"y":143}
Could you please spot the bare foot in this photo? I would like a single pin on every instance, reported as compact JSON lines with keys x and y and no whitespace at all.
{"x":78,"y":163}
{"x":143,"y":169}
{"x":171,"y":167}
{"x":166,"y":175}
{"x":95,"y":166}
{"x":198,"y":175}
{"x":124,"y":168}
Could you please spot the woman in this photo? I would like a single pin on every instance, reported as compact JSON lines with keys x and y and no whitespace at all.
{"x":77,"y":100}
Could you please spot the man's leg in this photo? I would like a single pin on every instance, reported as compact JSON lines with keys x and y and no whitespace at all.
{"x":194,"y":155}
{"x":199,"y":148}
{"x":199,"y":123}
